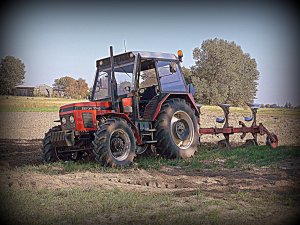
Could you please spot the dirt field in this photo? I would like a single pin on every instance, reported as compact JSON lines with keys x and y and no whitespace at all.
{"x":258,"y":195}
{"x":33,"y":125}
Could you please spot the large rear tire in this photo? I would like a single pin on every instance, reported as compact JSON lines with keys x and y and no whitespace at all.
{"x":177,"y":132}
{"x":114,"y":143}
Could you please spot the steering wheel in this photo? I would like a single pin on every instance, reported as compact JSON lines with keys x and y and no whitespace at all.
{"x":141,"y":91}
{"x":127,"y":89}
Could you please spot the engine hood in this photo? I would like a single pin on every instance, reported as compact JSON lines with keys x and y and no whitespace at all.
{"x":85,"y":106}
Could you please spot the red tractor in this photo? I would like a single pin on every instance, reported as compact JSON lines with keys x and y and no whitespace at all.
{"x":139,"y":100}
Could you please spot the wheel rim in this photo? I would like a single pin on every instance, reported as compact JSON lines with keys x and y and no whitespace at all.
{"x":141,"y":149}
{"x":119,"y":144}
{"x":182,"y":129}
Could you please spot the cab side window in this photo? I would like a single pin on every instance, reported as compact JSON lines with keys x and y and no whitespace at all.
{"x":170,"y":77}
{"x":147,"y":75}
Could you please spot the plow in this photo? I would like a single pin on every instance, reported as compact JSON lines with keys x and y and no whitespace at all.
{"x":140,"y":102}
{"x":254,"y":129}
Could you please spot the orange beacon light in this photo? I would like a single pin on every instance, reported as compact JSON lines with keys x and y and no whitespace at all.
{"x":180,"y":55}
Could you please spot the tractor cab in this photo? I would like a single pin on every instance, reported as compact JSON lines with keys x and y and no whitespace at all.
{"x":138,"y":82}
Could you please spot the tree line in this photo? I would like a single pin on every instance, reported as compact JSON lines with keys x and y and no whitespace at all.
{"x":222,"y":73}
{"x":12,"y":74}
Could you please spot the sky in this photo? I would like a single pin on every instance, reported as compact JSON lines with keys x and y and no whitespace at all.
{"x":56,"y":39}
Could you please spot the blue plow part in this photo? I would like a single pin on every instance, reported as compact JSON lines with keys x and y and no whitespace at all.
{"x":248,"y":118}
{"x":220,"y":120}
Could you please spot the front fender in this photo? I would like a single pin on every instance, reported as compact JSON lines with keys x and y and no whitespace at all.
{"x":124,"y":116}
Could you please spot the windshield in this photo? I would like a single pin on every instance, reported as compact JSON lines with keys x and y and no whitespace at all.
{"x":123,"y":75}
{"x":102,"y":89}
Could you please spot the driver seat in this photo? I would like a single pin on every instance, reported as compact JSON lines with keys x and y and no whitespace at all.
{"x":148,"y":94}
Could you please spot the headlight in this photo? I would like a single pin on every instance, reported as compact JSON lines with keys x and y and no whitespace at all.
{"x":63,"y":120}
{"x":72,"y":119}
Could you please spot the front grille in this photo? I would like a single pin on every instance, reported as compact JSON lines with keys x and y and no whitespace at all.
{"x":88,"y":120}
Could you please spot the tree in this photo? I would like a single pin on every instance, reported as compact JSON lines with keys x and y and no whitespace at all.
{"x":190,"y":78}
{"x":82,"y":88}
{"x":288,"y":105}
{"x":12,"y":73}
{"x":224,"y":74}
{"x":187,"y":74}
{"x":72,"y":88}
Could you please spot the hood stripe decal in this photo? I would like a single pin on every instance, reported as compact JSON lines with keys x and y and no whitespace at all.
{"x":84,"y":108}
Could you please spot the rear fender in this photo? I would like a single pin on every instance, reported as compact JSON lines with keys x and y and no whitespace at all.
{"x":186,"y":96}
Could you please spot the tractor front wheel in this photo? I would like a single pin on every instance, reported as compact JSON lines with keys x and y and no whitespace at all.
{"x":49,"y":151}
{"x":177,"y":132}
{"x":52,"y":153}
{"x":114,"y":143}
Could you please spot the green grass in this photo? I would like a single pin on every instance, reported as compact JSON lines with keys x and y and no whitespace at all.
{"x":33,"y":104}
{"x":242,"y":158}
{"x":67,"y":167}
{"x":216,"y":159}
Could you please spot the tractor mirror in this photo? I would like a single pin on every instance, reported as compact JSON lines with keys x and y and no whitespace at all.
{"x":191,"y":89}
{"x":172,"y":67}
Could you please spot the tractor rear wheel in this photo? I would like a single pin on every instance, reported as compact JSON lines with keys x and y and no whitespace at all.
{"x":177,"y":132}
{"x":114,"y":143}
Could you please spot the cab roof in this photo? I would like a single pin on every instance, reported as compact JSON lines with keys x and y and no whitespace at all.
{"x":130,"y":56}
{"x":155,"y":55}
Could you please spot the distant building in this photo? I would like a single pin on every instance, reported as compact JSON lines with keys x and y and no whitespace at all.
{"x":23,"y":91}
{"x":31,"y":91}
{"x":58,"y":92}
{"x":43,"y":90}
